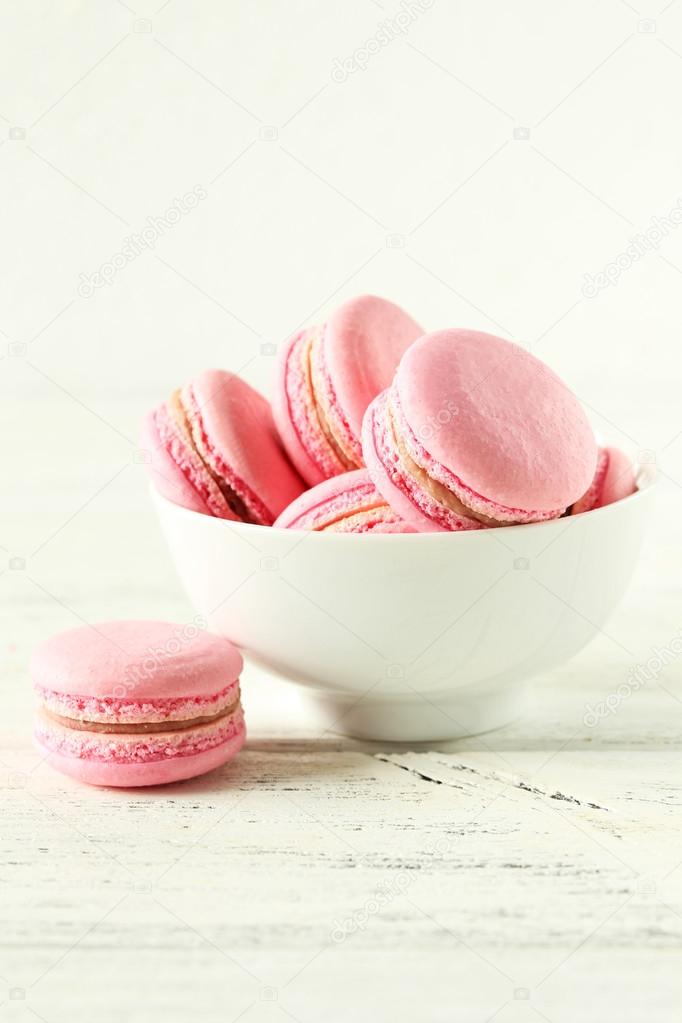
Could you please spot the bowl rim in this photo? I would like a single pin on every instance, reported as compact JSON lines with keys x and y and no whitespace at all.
{"x":647,"y":478}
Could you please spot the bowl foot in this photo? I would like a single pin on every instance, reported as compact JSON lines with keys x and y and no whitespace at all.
{"x":428,"y":718}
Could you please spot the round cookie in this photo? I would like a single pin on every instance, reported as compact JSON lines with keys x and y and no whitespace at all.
{"x":327,"y":377}
{"x":475,"y":431}
{"x":128,"y":703}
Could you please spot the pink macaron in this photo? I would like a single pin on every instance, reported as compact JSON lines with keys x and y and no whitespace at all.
{"x":327,"y":377}
{"x":214,"y":449}
{"x":129,"y":703}
{"x":475,"y":431}
{"x":614,"y":479}
{"x":344,"y":504}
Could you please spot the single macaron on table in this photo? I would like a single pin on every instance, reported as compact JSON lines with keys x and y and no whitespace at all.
{"x":463,"y":532}
{"x":132,"y":703}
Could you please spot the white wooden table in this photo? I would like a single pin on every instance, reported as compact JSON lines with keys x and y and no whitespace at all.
{"x":530,"y":873}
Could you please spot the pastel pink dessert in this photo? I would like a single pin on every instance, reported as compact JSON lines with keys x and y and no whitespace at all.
{"x":327,"y":377}
{"x":613,"y":480}
{"x":344,"y":504}
{"x":475,"y":431}
{"x":215,"y":450}
{"x":129,"y":703}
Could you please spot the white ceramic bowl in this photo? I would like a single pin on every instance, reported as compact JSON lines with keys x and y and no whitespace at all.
{"x":410,"y":637}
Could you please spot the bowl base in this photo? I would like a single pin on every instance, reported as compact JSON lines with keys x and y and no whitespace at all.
{"x":427,"y":718}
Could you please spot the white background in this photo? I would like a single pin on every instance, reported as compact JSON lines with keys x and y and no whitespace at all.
{"x":121,"y":115}
{"x":475,"y":168}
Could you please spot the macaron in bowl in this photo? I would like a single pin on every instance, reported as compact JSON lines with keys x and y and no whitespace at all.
{"x":327,"y":377}
{"x":133,"y":703}
{"x":343,"y":504}
{"x":414,"y":637}
{"x":476,"y":432}
{"x":614,"y":479}
{"x":214,"y":449}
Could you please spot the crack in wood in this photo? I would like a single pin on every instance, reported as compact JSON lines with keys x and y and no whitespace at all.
{"x":488,"y":776}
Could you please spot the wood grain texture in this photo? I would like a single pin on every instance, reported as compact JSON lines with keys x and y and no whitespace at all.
{"x":531,"y":873}
{"x":511,"y":876}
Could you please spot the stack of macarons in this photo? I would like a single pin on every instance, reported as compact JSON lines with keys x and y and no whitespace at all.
{"x":375,"y":427}
{"x":378,"y":427}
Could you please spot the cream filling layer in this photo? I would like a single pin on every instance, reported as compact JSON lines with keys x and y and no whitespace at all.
{"x":432,"y":487}
{"x":316,"y":388}
{"x":183,"y":423}
{"x":140,"y":727}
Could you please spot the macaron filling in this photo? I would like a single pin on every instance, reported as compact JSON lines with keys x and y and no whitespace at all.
{"x":371,"y":520}
{"x":142,"y":727}
{"x":442,"y":485}
{"x":136,"y":747}
{"x":130,"y":712}
{"x":174,"y":435}
{"x":360,"y":510}
{"x":414,"y":485}
{"x":239,"y":497}
{"x":333,"y":421}
{"x":314,"y":411}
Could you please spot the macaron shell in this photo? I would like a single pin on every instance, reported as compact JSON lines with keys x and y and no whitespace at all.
{"x":94,"y":772}
{"x":84,"y":742}
{"x":364,"y":340}
{"x":613,"y":480}
{"x":619,"y":481}
{"x":150,"y":658}
{"x":123,"y":707}
{"x":347,"y":503}
{"x":237,"y":422}
{"x":398,"y":497}
{"x":292,"y":409}
{"x":180,"y":479}
{"x":372,"y":523}
{"x":497,"y":418}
